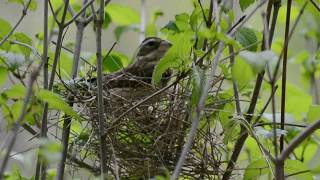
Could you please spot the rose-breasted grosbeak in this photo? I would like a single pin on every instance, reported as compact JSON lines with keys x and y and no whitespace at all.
{"x":150,"y":51}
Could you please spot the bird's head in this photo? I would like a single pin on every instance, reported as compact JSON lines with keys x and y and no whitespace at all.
{"x":153,"y":49}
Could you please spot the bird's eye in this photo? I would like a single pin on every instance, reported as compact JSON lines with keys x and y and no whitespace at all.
{"x":151,"y":44}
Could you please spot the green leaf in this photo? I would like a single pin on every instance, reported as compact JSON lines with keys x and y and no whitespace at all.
{"x":256,"y":169}
{"x":313,"y":113}
{"x":122,"y":15}
{"x":33,"y":5}
{"x":151,"y":30}
{"x":242,"y":72}
{"x":16,"y":109}
{"x":295,"y":166}
{"x":244,"y":4}
{"x":282,"y":14}
{"x":4,"y":30}
{"x":107,"y":21}
{"x":260,"y":167}
{"x":118,"y":31}
{"x":156,"y":15}
{"x":65,"y":64}
{"x":23,"y":38}
{"x":297,"y":101}
{"x":176,"y":57}
{"x":228,"y":40}
{"x":3,"y":75}
{"x":56,"y":102}
{"x":196,"y":18}
{"x":259,"y":60}
{"x":182,"y":22}
{"x":246,"y":37}
{"x":50,"y":151}
{"x":114,"y":61}
{"x":16,"y":1}
{"x":17,"y":91}
{"x":170,"y":26}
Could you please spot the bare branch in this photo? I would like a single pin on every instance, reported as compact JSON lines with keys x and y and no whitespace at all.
{"x":24,"y":13}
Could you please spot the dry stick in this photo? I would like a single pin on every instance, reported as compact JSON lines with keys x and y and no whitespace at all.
{"x":234,"y":82}
{"x":315,"y":5}
{"x":76,"y":57}
{"x":54,"y":14}
{"x":14,"y":132}
{"x":72,"y":52}
{"x":287,"y":124}
{"x":279,"y":165}
{"x":24,"y":13}
{"x":284,"y":72}
{"x":70,"y":9}
{"x":91,"y":17}
{"x":298,"y":140}
{"x":81,"y":11}
{"x":208,"y":82}
{"x":276,"y":7}
{"x":101,"y":116}
{"x":41,"y":167}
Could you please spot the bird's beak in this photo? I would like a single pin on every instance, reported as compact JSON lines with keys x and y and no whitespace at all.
{"x":164,"y":45}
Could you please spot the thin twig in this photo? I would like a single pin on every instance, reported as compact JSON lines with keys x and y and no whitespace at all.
{"x":101,"y":116}
{"x":284,"y":71}
{"x":24,"y":13}
{"x":287,"y":124}
{"x":41,"y":167}
{"x":83,"y":9}
{"x":315,"y":5}
{"x":298,"y":140}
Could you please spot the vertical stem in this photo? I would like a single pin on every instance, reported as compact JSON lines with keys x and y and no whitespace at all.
{"x":234,"y":82}
{"x":41,"y":167}
{"x":101,"y":115}
{"x":284,"y":73}
{"x":67,"y":119}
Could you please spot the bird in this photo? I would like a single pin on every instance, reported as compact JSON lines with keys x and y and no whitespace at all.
{"x":140,"y":71}
{"x":132,"y":83}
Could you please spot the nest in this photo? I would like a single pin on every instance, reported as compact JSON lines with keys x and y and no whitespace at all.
{"x":145,"y":133}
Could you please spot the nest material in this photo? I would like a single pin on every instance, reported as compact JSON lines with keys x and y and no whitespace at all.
{"x":147,"y":140}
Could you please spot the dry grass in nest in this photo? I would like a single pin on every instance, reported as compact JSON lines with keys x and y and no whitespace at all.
{"x":146,"y":140}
